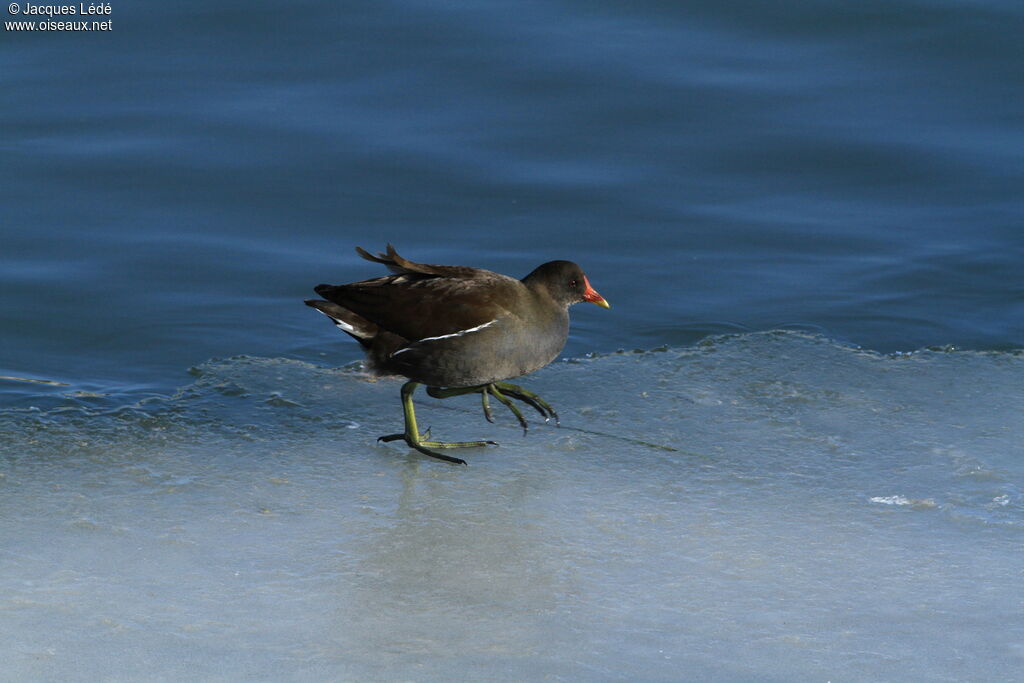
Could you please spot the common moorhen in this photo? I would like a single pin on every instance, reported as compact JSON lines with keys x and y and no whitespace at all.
{"x":458,"y":330}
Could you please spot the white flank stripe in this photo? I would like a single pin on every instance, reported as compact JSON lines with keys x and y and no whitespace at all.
{"x":459,"y":333}
{"x":445,"y":336}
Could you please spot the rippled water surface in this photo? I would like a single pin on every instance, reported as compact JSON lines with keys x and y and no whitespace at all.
{"x":173,"y":187}
{"x":190,"y":482}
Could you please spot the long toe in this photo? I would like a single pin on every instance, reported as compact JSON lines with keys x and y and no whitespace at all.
{"x":439,"y":456}
{"x":486,"y":402}
{"x":530,"y":401}
{"x":511,"y":406}
{"x":528,"y":397}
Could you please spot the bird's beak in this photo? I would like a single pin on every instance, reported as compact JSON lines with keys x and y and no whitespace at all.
{"x":590,"y":294}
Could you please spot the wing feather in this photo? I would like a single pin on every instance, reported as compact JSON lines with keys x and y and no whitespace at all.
{"x":421,"y":301}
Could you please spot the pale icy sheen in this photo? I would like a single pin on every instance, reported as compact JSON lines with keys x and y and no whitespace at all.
{"x":831,"y":514}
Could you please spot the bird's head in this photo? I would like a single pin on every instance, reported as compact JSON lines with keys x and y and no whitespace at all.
{"x":565,"y":282}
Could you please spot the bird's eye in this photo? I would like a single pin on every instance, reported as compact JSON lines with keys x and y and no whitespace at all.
{"x":572,"y":283}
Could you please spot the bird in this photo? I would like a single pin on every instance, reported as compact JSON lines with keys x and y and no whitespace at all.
{"x":458,"y":330}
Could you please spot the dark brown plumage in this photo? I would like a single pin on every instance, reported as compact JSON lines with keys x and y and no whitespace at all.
{"x":455,"y":326}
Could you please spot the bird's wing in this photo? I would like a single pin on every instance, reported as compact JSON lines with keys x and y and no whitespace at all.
{"x":424,"y":300}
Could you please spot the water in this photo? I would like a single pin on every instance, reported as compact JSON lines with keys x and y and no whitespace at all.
{"x":192,"y":484}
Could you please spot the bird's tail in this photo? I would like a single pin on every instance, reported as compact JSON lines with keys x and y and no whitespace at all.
{"x":348,"y":322}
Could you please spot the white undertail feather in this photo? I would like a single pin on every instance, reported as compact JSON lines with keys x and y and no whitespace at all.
{"x":446,"y":336}
{"x":340,"y":323}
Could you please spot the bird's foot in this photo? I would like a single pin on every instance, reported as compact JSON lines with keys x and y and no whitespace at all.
{"x":486,"y":402}
{"x":420,"y":443}
{"x":528,"y":397}
{"x":493,"y":390}
{"x":503,"y":391}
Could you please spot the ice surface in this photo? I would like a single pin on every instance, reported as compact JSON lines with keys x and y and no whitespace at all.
{"x":830,"y":514}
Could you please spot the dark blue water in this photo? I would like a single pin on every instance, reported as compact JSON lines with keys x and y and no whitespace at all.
{"x":190,"y":489}
{"x":172,"y":189}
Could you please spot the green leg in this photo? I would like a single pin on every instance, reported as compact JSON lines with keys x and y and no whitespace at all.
{"x":486,"y":402}
{"x":493,"y":390}
{"x":438,"y":392}
{"x":501,"y":391}
{"x":528,"y":397}
{"x":415,"y":440}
